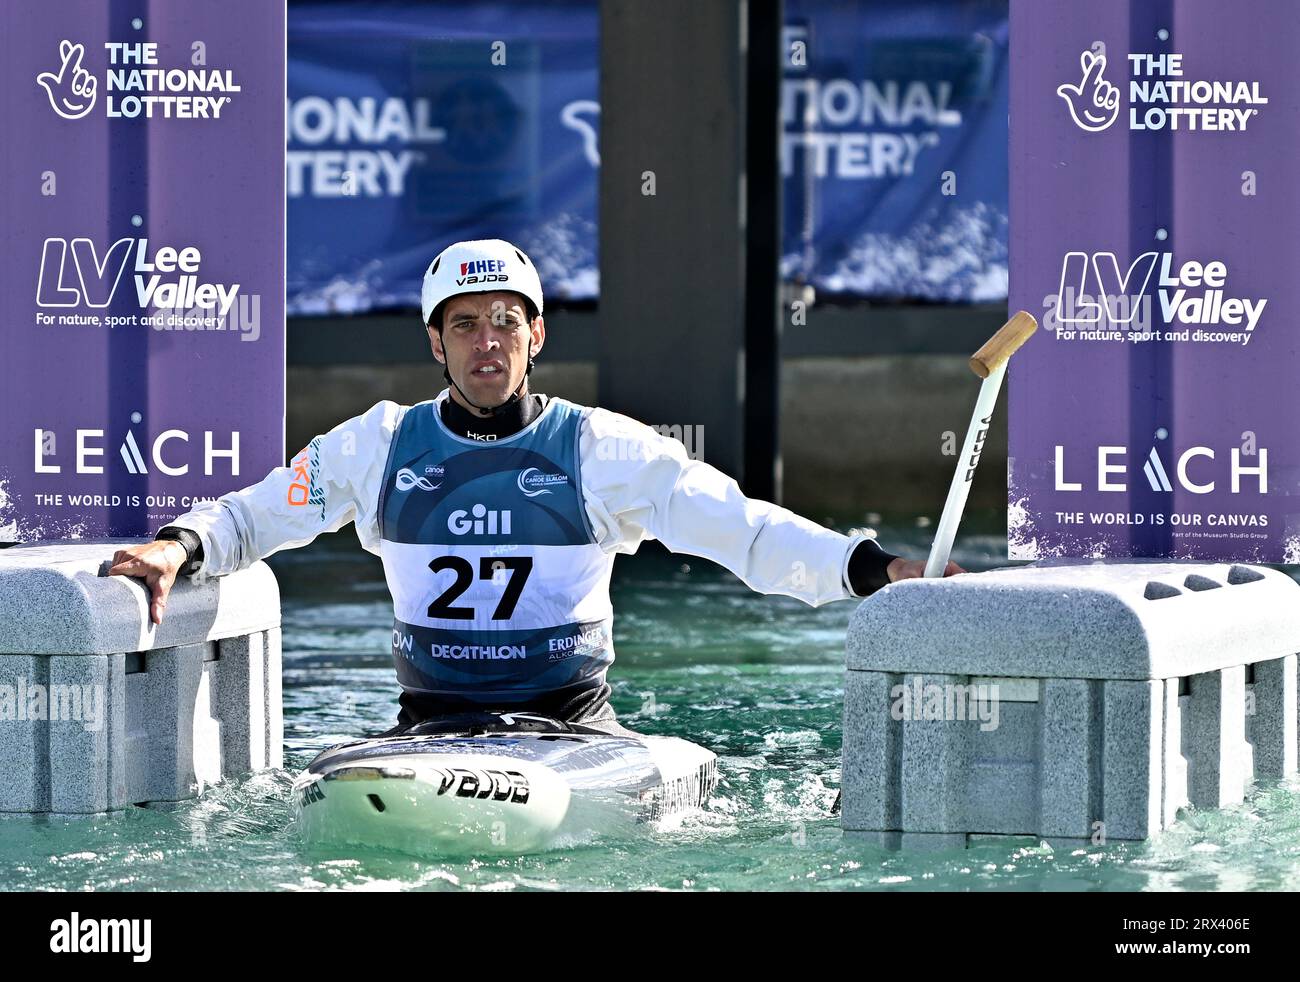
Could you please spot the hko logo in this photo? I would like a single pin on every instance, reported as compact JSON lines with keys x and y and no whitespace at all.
{"x":484,"y":522}
{"x":93,"y":281}
{"x":1092,"y":286}
{"x":132,"y":458}
{"x":1111,"y":462}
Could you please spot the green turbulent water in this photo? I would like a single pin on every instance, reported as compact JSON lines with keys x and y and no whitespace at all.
{"x":757,"y":679}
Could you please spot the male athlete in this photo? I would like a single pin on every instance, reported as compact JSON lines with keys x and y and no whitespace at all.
{"x":497,"y":514}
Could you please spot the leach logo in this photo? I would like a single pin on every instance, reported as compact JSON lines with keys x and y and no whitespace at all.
{"x":533,"y":482}
{"x":132,"y":457}
{"x":1094,"y":102}
{"x":1110,"y":461}
{"x":72,"y":90}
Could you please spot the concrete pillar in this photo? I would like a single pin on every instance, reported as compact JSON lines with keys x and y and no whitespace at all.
{"x":100,"y":709}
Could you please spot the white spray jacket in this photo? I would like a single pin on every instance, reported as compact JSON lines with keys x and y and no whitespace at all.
{"x":637,"y":484}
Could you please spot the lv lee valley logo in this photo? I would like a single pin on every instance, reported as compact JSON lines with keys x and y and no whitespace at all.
{"x":73,"y":274}
{"x":1093,"y":289}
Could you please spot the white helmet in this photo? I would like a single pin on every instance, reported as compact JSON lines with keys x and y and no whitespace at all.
{"x":479,"y":266}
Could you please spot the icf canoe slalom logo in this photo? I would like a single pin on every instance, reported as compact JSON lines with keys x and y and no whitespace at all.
{"x":533,"y":482}
{"x":1094,"y":102}
{"x":72,"y":89}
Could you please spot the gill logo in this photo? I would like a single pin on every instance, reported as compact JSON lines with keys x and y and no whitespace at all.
{"x":484,"y":522}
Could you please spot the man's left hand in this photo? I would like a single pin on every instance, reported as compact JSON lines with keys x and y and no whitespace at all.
{"x":906,"y":569}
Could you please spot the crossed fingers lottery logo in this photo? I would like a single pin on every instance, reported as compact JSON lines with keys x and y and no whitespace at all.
{"x":72,"y":89}
{"x":1094,"y":102}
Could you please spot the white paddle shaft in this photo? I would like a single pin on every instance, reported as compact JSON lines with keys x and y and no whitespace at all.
{"x":976,"y":434}
{"x":990,"y":364}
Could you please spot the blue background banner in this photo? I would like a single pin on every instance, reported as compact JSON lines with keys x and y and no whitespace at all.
{"x":411,"y":126}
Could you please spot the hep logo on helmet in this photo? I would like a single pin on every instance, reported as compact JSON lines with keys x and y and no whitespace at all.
{"x":482,"y":271}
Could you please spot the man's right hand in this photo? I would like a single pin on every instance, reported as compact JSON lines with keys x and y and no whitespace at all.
{"x":157,"y":563}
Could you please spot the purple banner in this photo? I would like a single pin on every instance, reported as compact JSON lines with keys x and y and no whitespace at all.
{"x":143,"y":276}
{"x":1152,"y":233}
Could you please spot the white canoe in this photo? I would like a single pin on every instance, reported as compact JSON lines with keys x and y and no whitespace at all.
{"x":496,"y":783}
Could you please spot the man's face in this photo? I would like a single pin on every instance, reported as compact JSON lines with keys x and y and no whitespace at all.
{"x":485,"y":343}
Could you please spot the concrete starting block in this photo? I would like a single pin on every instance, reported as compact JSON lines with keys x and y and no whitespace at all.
{"x":1073,"y":700}
{"x":101,"y":709}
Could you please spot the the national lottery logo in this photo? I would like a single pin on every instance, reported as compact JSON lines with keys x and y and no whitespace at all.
{"x":71,"y":89}
{"x":1093,"y":102}
{"x":135,"y":84}
{"x":1160,"y":96}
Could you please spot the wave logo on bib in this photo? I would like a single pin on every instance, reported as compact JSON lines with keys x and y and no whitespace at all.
{"x":407,"y":479}
{"x":533,"y":482}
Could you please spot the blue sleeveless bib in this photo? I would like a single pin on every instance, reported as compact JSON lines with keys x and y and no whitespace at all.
{"x":500,"y":592}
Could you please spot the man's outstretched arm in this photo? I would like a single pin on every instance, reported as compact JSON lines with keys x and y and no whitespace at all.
{"x":334,"y":480}
{"x":640,"y":484}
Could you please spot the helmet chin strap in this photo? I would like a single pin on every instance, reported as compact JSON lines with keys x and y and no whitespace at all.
{"x":490,"y":410}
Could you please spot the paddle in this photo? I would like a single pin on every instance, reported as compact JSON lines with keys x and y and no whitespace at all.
{"x":990,"y":364}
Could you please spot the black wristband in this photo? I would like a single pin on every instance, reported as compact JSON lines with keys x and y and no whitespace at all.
{"x":869,"y":568}
{"x":187,"y":538}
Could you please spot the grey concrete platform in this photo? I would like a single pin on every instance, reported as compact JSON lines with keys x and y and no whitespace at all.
{"x":1124,"y":691}
{"x":101,"y":709}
